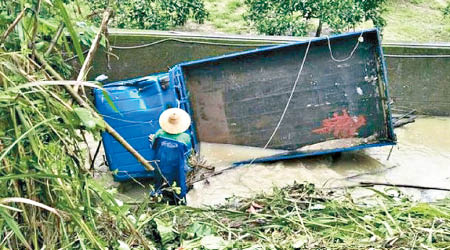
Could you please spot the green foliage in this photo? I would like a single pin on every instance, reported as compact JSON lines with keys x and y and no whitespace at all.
{"x":41,"y":148}
{"x":292,"y":17}
{"x":13,"y":225}
{"x":91,"y":123}
{"x":227,"y":16}
{"x":446,"y":11}
{"x":151,"y":14}
{"x":73,"y":34}
{"x":303,"y":217}
{"x":277,"y":24}
{"x":46,"y":23}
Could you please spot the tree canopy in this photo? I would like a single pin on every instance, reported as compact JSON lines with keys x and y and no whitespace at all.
{"x":293,"y":17}
{"x":151,"y":14}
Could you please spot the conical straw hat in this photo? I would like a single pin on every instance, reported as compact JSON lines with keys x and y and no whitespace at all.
{"x":174,"y":121}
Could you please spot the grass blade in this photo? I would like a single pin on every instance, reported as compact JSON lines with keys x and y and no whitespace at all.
{"x":73,"y":34}
{"x":109,"y":101}
{"x":32,"y":175}
{"x":14,"y":227}
{"x":23,"y":135}
{"x":29,"y":202}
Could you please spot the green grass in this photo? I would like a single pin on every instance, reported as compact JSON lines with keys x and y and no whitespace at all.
{"x":407,"y":20}
{"x":227,"y":16}
{"x":418,"y":20}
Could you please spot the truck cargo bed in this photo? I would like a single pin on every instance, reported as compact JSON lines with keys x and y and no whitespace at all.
{"x":341,"y":95}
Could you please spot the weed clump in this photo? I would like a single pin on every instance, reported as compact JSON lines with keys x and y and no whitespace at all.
{"x":303,"y":217}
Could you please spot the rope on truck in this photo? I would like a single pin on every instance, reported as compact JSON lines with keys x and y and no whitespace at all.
{"x":360,"y":39}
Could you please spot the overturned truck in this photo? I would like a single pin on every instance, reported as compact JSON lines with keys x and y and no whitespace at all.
{"x":308,"y":98}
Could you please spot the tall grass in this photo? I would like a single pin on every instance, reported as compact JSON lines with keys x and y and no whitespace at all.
{"x":41,"y":160}
{"x":47,"y":196}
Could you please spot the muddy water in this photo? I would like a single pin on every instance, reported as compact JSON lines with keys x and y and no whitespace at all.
{"x":422,"y":157}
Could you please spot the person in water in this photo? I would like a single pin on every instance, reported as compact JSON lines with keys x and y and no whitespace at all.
{"x":172,"y":147}
{"x":174,"y":122}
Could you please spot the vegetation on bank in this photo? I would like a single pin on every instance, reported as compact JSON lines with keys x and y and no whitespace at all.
{"x":406,"y":21}
{"x":155,"y":14}
{"x":47,"y":196}
{"x":417,"y":21}
{"x":49,"y":199}
{"x":302,"y":217}
{"x":294,"y":18}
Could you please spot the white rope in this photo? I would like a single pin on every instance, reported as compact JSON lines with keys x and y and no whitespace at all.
{"x":281,"y":118}
{"x":297,"y":79}
{"x":140,"y":46}
{"x":188,"y":41}
{"x":360,"y":39}
{"x":290,"y":97}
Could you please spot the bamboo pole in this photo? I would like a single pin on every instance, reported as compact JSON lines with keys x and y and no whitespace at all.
{"x":11,"y":27}
{"x":55,"y":39}
{"x":87,"y":62}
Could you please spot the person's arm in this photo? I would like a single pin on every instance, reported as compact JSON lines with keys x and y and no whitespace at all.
{"x":152,"y":137}
{"x":187,"y":140}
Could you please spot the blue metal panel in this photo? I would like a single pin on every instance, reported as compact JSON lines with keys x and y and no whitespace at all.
{"x":295,"y":155}
{"x":176,"y":80}
{"x":385,"y":82}
{"x":140,"y":101}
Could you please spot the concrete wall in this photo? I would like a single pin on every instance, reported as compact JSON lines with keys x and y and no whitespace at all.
{"x":416,"y":82}
{"x":420,"y":83}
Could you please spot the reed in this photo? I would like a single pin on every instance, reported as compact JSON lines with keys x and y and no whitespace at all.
{"x":47,"y":195}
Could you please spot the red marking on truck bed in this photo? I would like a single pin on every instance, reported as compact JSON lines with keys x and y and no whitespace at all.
{"x":341,"y":126}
